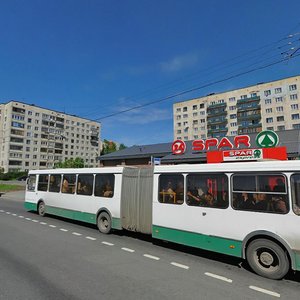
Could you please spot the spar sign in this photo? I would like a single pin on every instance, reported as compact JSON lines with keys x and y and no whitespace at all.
{"x":236,"y":149}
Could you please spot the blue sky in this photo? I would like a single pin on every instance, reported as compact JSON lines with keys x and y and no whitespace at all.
{"x":94,"y":58}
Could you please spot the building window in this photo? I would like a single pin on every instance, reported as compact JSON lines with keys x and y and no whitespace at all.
{"x":194,"y":107}
{"x":295,"y":116}
{"x":30,"y":113}
{"x":178,"y":109}
{"x":294,"y":97}
{"x":269,"y":120}
{"x":296,"y":126}
{"x":243,"y":96}
{"x":268,"y":101}
{"x":233,"y":124}
{"x":278,"y":90}
{"x":185,"y":116}
{"x":279,"y":108}
{"x":184,"y":109}
{"x":231,"y":99}
{"x":293,"y":87}
{"x":194,"y":114}
{"x":202,"y":105}
{"x":280,"y":118}
{"x":278,"y":99}
{"x":294,"y":106}
{"x":178,"y":124}
{"x":253,"y":95}
{"x":178,"y":131}
{"x":269,"y":110}
{"x":233,"y":116}
{"x":233,"y":107}
{"x":281,"y":128}
{"x":202,"y":120}
{"x":267,"y":92}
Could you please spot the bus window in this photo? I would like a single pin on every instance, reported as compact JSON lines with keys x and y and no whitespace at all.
{"x":171,"y":188}
{"x":43,"y":183}
{"x":54,"y":185}
{"x":31,"y":182}
{"x":208,"y":190}
{"x":68,"y":185}
{"x":104,"y":185}
{"x":295,"y":185}
{"x":262,"y":193}
{"x":85,"y":184}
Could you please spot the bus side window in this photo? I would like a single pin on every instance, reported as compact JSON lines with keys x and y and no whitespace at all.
{"x":295,"y":185}
{"x":31,"y":181}
{"x":68,"y":184}
{"x":171,"y":188}
{"x":104,"y":185}
{"x":85,"y":184}
{"x":54,"y":185}
{"x":207,"y":190}
{"x":261,"y":193}
{"x":43,"y":182}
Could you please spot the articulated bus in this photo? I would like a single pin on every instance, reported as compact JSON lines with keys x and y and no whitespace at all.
{"x":249,"y":210}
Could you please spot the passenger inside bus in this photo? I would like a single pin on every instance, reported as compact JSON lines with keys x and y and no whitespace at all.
{"x":65,"y":186}
{"x":107,"y":190}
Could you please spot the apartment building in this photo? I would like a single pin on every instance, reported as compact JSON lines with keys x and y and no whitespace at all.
{"x":273,"y":105}
{"x":33,"y":137}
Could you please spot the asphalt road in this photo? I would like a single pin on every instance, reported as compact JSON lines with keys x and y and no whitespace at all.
{"x":53,"y":258}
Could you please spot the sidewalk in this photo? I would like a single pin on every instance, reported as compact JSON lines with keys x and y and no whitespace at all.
{"x":16,"y":196}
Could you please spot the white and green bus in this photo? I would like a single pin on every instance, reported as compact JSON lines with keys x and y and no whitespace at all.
{"x":249,"y":210}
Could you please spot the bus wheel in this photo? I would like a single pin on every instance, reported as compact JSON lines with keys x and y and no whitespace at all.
{"x":267,"y":259}
{"x":42,"y":209}
{"x":104,"y":222}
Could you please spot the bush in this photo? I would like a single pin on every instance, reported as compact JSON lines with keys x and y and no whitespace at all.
{"x":11,"y":175}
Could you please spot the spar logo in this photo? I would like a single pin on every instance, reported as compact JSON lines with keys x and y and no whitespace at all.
{"x":267,"y":139}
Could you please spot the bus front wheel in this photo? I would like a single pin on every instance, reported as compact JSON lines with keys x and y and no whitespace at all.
{"x":104,"y":222}
{"x":268,"y":259}
{"x":42,"y":209}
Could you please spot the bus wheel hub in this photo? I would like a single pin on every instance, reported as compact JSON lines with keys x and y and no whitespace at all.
{"x":266,"y":258}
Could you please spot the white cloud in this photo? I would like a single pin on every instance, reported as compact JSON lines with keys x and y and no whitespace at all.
{"x":180,"y":62}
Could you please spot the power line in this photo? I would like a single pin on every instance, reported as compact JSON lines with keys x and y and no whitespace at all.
{"x":196,"y":88}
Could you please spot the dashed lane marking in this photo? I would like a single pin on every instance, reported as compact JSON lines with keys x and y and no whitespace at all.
{"x":151,"y":256}
{"x":35,"y":221}
{"x":76,"y":233}
{"x":28,"y":219}
{"x":108,"y":244}
{"x":52,"y":226}
{"x":180,"y":265}
{"x":43,"y":223}
{"x":90,"y":238}
{"x":1,"y":210}
{"x":128,"y":250}
{"x":258,"y":289}
{"x":64,"y":230}
{"x":8,"y":212}
{"x":21,"y":217}
{"x":14,"y":215}
{"x":218,"y":277}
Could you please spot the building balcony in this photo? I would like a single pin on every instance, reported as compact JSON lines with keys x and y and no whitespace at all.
{"x":247,"y":100}
{"x":217,"y":121}
{"x":249,"y":125}
{"x":216,"y":105}
{"x":249,"y":117}
{"x":216,"y":112}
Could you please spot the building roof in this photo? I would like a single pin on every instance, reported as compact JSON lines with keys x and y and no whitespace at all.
{"x":288,"y":138}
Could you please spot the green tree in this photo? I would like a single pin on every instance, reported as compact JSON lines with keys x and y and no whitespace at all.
{"x":70,"y":163}
{"x":122,"y":146}
{"x":108,"y":147}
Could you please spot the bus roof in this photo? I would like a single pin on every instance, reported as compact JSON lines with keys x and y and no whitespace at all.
{"x":79,"y":170}
{"x":270,"y":165}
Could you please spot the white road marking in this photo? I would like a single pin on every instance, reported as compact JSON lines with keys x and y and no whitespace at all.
{"x":43,"y":223}
{"x":64,"y":230}
{"x":128,"y":250}
{"x":180,"y":265}
{"x":52,"y":226}
{"x":28,"y":219}
{"x":14,"y":215}
{"x":264,"y":291}
{"x":22,"y":217}
{"x":108,"y":244}
{"x":1,"y":210}
{"x":35,"y":221}
{"x":151,"y":256}
{"x":90,"y":238}
{"x":8,"y":212}
{"x":76,"y":233}
{"x":218,"y":277}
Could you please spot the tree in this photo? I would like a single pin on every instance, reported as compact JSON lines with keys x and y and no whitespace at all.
{"x":108,"y":147}
{"x":122,"y":146}
{"x":70,"y":163}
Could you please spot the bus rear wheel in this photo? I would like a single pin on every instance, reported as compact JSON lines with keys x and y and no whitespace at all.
{"x":42,"y":209}
{"x":268,"y":259}
{"x":104,"y":222}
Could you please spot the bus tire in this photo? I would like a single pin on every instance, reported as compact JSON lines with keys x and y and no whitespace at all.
{"x":41,"y":209}
{"x":267,"y":259}
{"x":104,"y":222}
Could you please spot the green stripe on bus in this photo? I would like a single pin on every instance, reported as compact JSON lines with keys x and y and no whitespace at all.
{"x":297,"y":260}
{"x":73,"y":214}
{"x":206,"y":242}
{"x":30,"y":206}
